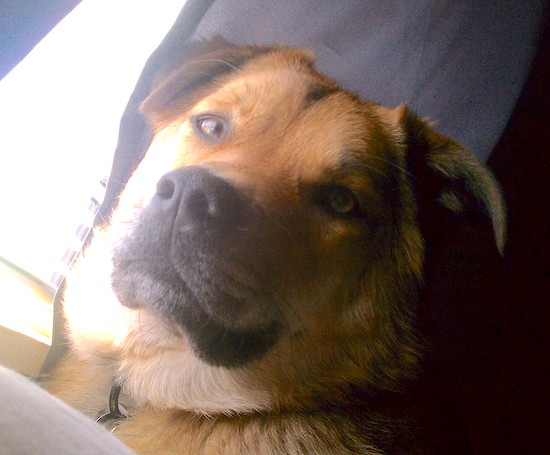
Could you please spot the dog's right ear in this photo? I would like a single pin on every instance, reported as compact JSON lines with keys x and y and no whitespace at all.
{"x":195,"y":74}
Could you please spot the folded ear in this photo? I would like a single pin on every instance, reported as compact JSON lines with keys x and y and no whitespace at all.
{"x":448,"y":178}
{"x":177,"y":88}
{"x":196,"y":72}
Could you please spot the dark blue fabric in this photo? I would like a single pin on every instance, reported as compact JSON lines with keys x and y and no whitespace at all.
{"x":461,"y":63}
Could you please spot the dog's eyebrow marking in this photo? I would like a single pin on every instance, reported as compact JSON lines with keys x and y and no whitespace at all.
{"x":317,"y":92}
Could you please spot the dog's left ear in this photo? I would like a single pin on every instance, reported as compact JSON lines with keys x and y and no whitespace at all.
{"x":194,"y":73}
{"x":450,"y":183}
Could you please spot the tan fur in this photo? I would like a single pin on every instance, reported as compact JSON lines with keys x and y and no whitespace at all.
{"x":349,"y":298}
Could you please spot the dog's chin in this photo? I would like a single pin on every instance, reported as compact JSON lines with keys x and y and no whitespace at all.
{"x":214,"y":337}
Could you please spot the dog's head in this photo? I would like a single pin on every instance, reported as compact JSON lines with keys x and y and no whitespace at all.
{"x":271,"y":240}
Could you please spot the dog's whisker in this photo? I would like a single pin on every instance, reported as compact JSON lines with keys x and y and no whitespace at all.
{"x":140,"y":328}
{"x":401,"y":168}
{"x":374,"y":169}
{"x":218,"y":60}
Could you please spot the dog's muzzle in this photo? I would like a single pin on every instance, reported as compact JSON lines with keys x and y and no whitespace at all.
{"x":194,"y":257}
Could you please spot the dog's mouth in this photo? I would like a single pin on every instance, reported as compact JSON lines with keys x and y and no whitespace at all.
{"x":186,"y":261}
{"x":225,"y":325}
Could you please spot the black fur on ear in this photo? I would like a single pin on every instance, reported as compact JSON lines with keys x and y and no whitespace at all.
{"x":175,"y":89}
{"x":453,"y":189}
{"x":194,"y":74}
{"x":462,"y":313}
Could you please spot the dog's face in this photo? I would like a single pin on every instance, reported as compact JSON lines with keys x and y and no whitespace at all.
{"x":269,"y":245}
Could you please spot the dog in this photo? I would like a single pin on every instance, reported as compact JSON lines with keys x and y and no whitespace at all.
{"x":257,"y":288}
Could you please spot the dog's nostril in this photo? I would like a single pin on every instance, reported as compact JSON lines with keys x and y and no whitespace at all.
{"x":165,"y":188}
{"x":197,"y":201}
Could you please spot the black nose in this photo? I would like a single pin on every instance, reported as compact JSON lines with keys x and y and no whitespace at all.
{"x":200,"y":200}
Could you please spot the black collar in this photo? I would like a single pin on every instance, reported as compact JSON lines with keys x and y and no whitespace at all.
{"x":116,"y":411}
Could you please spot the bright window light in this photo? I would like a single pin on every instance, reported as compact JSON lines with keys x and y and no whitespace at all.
{"x":60,"y":110}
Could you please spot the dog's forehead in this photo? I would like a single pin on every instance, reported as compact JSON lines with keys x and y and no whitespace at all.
{"x":263,"y":93}
{"x":288,"y":115}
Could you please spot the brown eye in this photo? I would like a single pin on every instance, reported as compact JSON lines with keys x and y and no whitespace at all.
{"x":341,"y":201}
{"x":210,"y":127}
{"x":337,"y":200}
